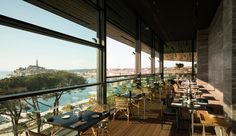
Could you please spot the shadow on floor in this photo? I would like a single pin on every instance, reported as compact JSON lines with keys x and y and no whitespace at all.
{"x":210,"y":98}
{"x":200,"y":86}
{"x":215,"y":109}
{"x":204,"y":91}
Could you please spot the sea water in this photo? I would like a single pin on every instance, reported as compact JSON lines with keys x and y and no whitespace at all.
{"x":68,"y":97}
{"x":4,"y":74}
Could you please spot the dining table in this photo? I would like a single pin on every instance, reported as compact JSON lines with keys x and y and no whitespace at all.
{"x":79,"y":123}
{"x":192,"y":105}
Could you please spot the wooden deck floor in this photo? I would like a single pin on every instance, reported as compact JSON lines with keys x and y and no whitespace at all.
{"x":151,"y":126}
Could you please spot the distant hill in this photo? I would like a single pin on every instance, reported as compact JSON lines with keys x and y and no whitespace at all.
{"x":31,"y":70}
{"x":81,"y":70}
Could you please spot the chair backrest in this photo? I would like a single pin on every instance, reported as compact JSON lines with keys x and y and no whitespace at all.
{"x":204,"y":117}
{"x":99,"y":107}
{"x":31,"y":133}
{"x":175,"y":87}
{"x":137,"y":91}
{"x":121,"y":103}
{"x":178,"y":84}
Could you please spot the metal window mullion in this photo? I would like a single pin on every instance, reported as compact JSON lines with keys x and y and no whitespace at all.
{"x":7,"y":21}
{"x":153,"y":54}
{"x":119,"y":80}
{"x":102,"y":90}
{"x":42,"y":92}
{"x":193,"y":71}
{"x":161,"y":57}
{"x":120,"y":76}
{"x":138,"y":47}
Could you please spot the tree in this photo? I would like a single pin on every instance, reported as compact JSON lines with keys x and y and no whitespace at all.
{"x":50,"y":80}
{"x":36,"y":82}
{"x":13,"y":109}
{"x":179,"y":65}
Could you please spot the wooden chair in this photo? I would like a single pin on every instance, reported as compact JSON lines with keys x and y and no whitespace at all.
{"x":138,"y":103}
{"x":31,"y":133}
{"x":101,"y":128}
{"x":177,"y":90}
{"x":179,"y":85}
{"x":207,"y":120}
{"x":148,"y":93}
{"x":122,"y":105}
{"x":166,"y":112}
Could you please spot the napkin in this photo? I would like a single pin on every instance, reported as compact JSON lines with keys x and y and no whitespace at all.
{"x":76,"y":124}
{"x":95,"y":116}
{"x":176,"y":104}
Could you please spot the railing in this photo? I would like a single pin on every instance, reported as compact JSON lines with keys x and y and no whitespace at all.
{"x":41,"y":92}
{"x":178,"y":75}
{"x":33,"y":107}
{"x":125,"y":84}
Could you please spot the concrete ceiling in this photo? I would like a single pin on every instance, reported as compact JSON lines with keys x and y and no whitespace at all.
{"x":175,"y":20}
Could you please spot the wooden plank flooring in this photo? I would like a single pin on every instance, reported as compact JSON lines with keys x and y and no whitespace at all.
{"x":151,"y":126}
{"x":134,"y":128}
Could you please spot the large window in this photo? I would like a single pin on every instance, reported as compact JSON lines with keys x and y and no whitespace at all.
{"x":145,"y":59}
{"x":40,"y":62}
{"x":84,"y":17}
{"x":35,"y":61}
{"x":30,"y":61}
{"x":157,"y":62}
{"x":177,"y":64}
{"x":120,"y":52}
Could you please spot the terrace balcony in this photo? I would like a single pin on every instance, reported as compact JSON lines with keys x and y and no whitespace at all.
{"x":116,"y":67}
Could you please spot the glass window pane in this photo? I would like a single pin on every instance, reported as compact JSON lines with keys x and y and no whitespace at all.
{"x":84,"y":24}
{"x":30,"y":62}
{"x":157,"y":63}
{"x":145,"y":59}
{"x":120,"y":52}
{"x":176,"y":64}
{"x":118,"y":89}
{"x":43,"y":107}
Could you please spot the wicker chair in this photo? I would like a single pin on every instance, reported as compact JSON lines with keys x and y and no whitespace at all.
{"x":122,"y":105}
{"x":168,"y":113}
{"x":31,"y":133}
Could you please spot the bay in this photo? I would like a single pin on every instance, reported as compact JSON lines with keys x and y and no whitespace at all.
{"x":68,"y":97}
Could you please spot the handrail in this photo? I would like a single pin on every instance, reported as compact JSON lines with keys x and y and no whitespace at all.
{"x":147,"y":75}
{"x":54,"y":90}
{"x":121,"y":80}
{"x":133,"y":75}
{"x":122,"y":76}
{"x":41,"y":92}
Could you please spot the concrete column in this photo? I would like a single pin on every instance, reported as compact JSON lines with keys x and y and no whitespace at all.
{"x":153,"y":55}
{"x":138,"y":48}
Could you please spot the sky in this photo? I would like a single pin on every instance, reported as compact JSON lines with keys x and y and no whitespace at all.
{"x":21,"y":48}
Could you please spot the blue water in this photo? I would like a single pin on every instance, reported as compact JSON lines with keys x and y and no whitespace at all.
{"x":69,"y":96}
{"x":66,"y":98}
{"x":4,"y":74}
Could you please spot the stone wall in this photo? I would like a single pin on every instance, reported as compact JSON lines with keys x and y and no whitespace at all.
{"x":233,"y":24}
{"x":202,"y":55}
{"x":220,"y":56}
{"x":215,"y":53}
{"x":227,"y":56}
